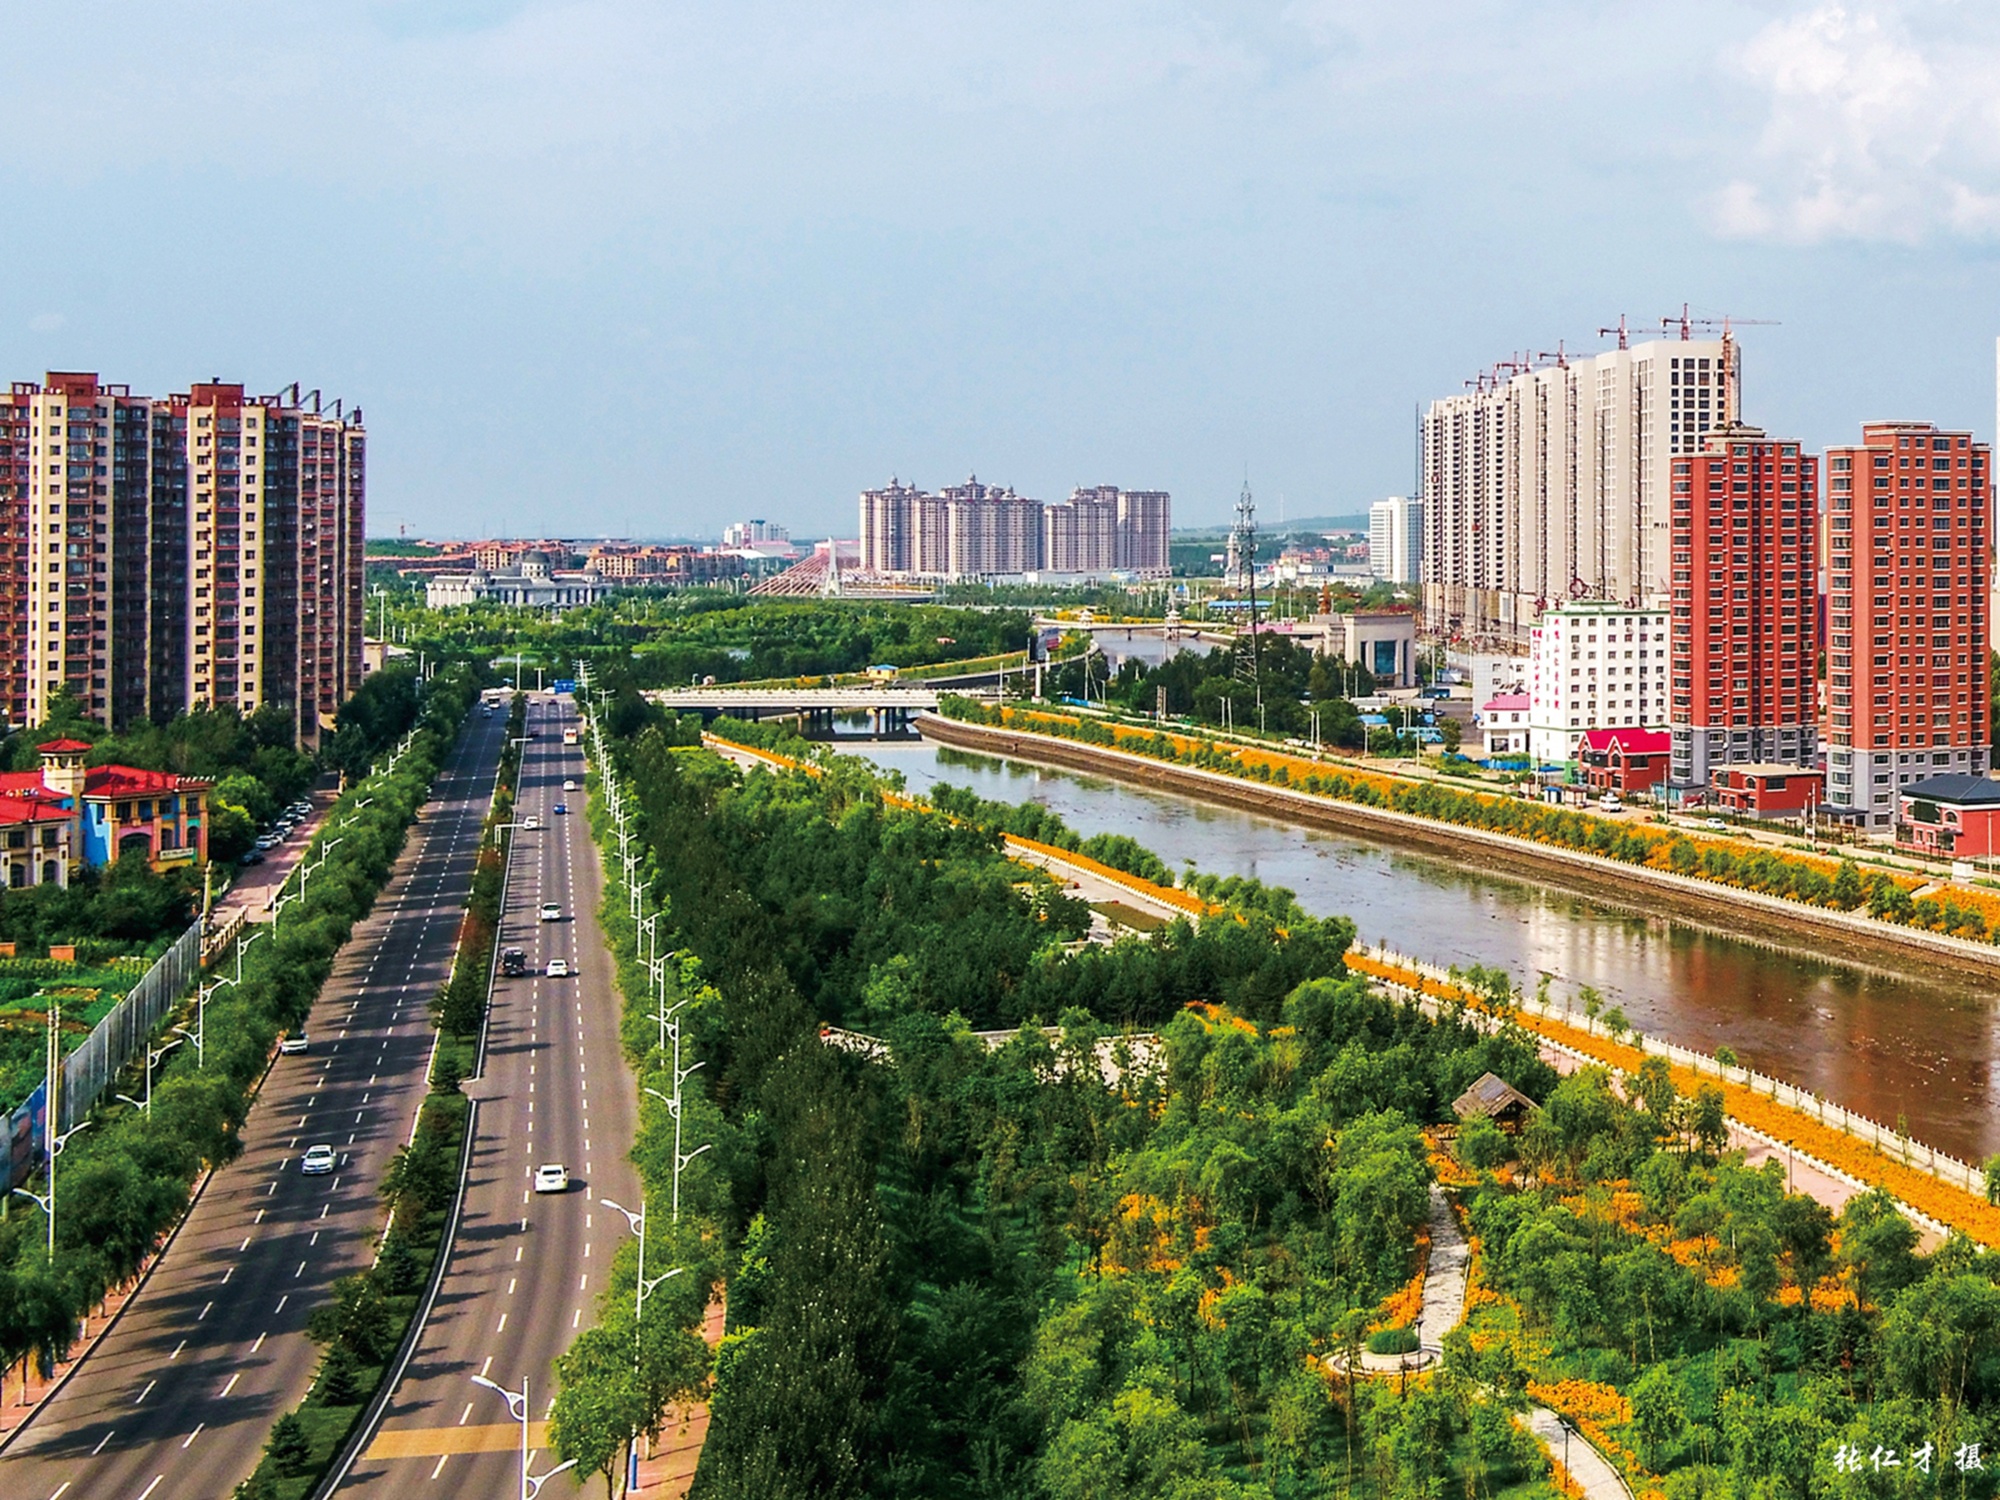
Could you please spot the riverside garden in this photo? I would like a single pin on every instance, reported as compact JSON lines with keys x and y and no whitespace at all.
{"x":963,"y":1269}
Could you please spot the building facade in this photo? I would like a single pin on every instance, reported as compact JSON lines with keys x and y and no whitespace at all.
{"x":977,"y":530}
{"x":166,"y":553}
{"x":1952,"y":816}
{"x":1550,"y":482}
{"x":1907,"y":600}
{"x":532,"y":585}
{"x":1745,"y":631}
{"x":1396,"y":539}
{"x":1594,"y":665}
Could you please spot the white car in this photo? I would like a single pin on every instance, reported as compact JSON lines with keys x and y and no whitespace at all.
{"x":553,"y":1178}
{"x":551,"y":912}
{"x":558,"y":968}
{"x":1713,"y":823}
{"x":293,"y":1045}
{"x":317,"y":1162}
{"x":1609,"y":802}
{"x":531,"y":822}
{"x":568,"y":785}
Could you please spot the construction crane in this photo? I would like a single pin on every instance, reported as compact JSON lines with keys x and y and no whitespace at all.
{"x":1724,"y":375}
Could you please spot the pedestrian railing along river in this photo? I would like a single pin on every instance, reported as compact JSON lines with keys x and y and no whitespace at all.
{"x":127,"y":1030}
{"x":1886,"y":1139}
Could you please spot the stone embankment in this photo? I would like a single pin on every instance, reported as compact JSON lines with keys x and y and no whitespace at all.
{"x":1752,"y":915}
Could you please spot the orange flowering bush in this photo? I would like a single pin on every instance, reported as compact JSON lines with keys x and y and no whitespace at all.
{"x":1954,"y":1207}
{"x":1401,"y":1308}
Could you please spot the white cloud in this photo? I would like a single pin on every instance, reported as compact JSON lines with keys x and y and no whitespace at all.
{"x":1882,"y":123}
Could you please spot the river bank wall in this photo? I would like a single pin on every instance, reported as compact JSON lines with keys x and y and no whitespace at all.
{"x":1752,"y":916}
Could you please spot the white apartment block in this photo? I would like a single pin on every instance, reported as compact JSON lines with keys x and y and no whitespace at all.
{"x":1594,"y":665}
{"x":1552,"y":482}
{"x":1396,"y":539}
{"x":977,"y":530}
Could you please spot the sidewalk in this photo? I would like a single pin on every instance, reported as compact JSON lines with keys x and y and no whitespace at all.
{"x":256,"y":884}
{"x":668,"y":1471}
{"x":1599,"y":1481}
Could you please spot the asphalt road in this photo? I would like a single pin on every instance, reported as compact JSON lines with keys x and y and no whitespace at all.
{"x":177,"y":1401}
{"x":525,"y":1268}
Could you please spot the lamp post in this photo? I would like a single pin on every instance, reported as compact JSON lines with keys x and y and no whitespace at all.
{"x":201,"y":994}
{"x":517,"y":1406}
{"x":48,"y":1201}
{"x":673,"y":1104}
{"x":153,"y":1056}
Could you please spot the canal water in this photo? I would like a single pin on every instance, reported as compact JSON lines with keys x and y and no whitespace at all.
{"x":1911,"y":1044}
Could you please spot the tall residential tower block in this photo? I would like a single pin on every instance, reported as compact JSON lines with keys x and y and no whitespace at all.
{"x":1745,"y":633}
{"x":1907,"y":628}
{"x":163,"y":553}
{"x":1549,"y":482}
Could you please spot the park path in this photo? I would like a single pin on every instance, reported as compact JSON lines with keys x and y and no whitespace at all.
{"x":1445,"y":1281}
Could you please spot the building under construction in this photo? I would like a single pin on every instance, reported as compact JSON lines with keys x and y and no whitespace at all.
{"x":1551,"y":478}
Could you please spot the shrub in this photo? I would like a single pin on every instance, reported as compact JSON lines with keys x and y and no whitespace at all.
{"x":1392,"y":1341}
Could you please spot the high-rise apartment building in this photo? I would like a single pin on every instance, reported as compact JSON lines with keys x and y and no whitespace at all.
{"x":977,"y":530}
{"x":1907,"y":625}
{"x":1745,"y":627}
{"x":1396,"y":539}
{"x":1080,"y":534}
{"x":1145,"y":529}
{"x":16,"y":472}
{"x":1551,"y":482}
{"x":198,"y":549}
{"x":1593,"y":664}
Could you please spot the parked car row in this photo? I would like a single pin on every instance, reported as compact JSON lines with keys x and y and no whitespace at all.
{"x":278,"y":830}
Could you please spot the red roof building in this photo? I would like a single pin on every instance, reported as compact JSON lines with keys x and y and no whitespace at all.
{"x":1625,"y":761}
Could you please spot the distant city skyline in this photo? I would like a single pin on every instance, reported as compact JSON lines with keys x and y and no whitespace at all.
{"x":1173,"y":245}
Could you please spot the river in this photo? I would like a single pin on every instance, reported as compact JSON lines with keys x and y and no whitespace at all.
{"x":1907,"y":1043}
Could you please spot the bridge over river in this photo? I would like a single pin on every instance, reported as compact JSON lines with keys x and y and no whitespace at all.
{"x":889,"y":705}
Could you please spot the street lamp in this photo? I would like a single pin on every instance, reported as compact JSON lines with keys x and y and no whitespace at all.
{"x":153,"y":1056}
{"x":48,"y":1203}
{"x":201,"y":994}
{"x":517,"y":1406}
{"x":673,"y":1105}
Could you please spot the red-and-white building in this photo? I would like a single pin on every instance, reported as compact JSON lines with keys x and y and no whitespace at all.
{"x":1769,"y":791}
{"x":1504,"y":722}
{"x":1745,"y":623}
{"x":1907,"y":626}
{"x":1955,"y":816}
{"x":1626,"y":761}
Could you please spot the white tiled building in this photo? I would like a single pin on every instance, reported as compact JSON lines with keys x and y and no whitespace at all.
{"x":1547,"y":478}
{"x":1504,"y":721}
{"x":1593,"y":664}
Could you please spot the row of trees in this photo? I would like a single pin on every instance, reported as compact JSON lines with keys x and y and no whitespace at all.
{"x":123,"y":1182}
{"x":979,"y":1272}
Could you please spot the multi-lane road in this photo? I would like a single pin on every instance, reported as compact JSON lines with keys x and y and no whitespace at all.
{"x":176,"y":1402}
{"x":525,"y":1269}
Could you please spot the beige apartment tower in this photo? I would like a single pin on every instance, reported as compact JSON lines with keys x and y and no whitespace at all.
{"x":1550,"y":482}
{"x":204,"y":548}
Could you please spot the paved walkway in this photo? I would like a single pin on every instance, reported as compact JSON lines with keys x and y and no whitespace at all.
{"x":1444,"y":1293}
{"x":1586,"y":1465}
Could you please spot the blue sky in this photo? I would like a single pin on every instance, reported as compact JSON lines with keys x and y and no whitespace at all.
{"x":624,"y":266}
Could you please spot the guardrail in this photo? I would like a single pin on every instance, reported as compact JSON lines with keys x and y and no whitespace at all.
{"x":128,"y":1029}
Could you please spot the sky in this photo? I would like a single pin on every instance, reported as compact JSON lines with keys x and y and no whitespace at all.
{"x":638,"y":268}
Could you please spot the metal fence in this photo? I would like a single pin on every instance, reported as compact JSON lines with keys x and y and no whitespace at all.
{"x":123,"y":1034}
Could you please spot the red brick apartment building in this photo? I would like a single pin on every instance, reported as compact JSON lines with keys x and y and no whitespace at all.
{"x":1744,"y":625}
{"x":1907,"y":626}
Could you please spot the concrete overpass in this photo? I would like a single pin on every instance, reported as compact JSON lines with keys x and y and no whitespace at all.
{"x":890,"y":704}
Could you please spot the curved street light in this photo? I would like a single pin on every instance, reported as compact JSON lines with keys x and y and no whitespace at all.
{"x":517,"y":1406}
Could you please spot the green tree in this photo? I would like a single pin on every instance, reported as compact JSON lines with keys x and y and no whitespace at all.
{"x":598,"y":1409}
{"x":289,"y":1447}
{"x":1657,"y":1420}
